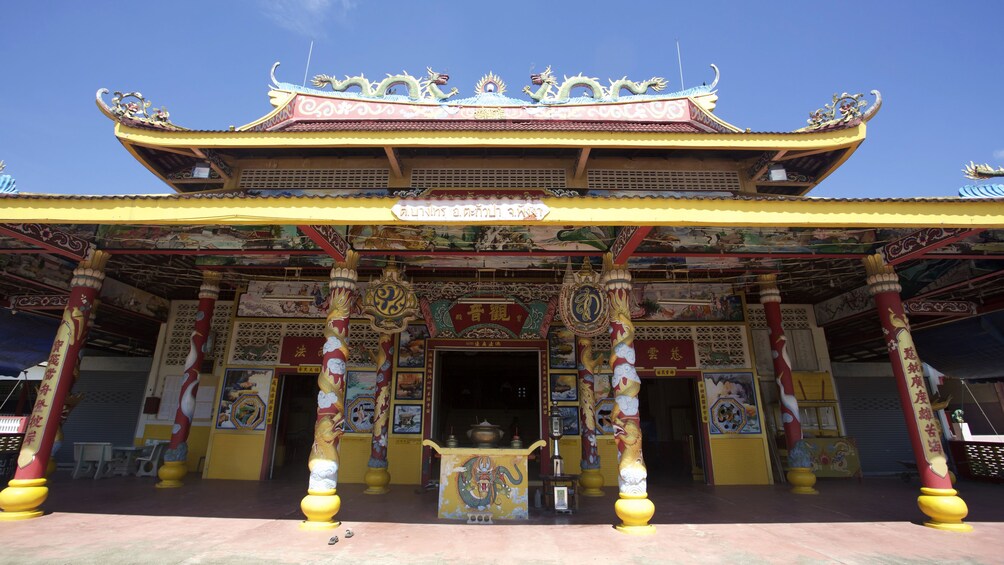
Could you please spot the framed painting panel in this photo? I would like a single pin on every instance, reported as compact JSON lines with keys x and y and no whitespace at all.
{"x":407,"y":419}
{"x":244,"y":399}
{"x":732,"y":407}
{"x":410,"y":386}
{"x":411,"y":346}
{"x":561,"y":348}
{"x":564,"y":387}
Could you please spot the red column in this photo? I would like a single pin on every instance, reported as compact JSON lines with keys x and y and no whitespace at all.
{"x":587,"y":418}
{"x":208,"y":293}
{"x":381,"y":418}
{"x":770,"y":297}
{"x":938,"y":498}
{"x":27,"y":491}
{"x":63,"y":366}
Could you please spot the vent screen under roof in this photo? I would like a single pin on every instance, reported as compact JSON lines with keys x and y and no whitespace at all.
{"x":314,"y":178}
{"x":617,"y":179}
{"x":488,"y":178}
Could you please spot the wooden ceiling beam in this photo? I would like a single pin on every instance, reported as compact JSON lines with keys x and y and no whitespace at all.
{"x":395,"y":161}
{"x":580,"y":162}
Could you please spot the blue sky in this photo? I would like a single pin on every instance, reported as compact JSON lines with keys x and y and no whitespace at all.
{"x":939,"y":65}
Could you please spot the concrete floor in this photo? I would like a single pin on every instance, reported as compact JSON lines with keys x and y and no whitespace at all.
{"x":126,"y":520}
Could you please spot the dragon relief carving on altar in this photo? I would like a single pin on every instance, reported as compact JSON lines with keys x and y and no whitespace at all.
{"x":424,"y":89}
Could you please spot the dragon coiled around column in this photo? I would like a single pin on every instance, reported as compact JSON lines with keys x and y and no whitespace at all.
{"x":425,"y":89}
{"x":481,"y":481}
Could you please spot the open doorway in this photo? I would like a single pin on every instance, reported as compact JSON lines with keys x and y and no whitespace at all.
{"x":672,"y":442}
{"x":498,"y":386}
{"x":294,"y":428}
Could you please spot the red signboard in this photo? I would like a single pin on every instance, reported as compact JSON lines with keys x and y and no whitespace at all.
{"x":678,"y":353}
{"x":301,"y":351}
{"x":510,"y":316}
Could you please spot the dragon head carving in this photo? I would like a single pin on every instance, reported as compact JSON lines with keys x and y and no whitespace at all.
{"x":437,"y":78}
{"x":545,"y":77}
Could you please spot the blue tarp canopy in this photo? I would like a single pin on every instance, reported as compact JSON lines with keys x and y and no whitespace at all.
{"x":25,"y":341}
{"x":972,"y":348}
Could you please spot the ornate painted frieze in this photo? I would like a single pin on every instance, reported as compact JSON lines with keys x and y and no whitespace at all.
{"x":51,"y":238}
{"x":39,"y":302}
{"x":940,"y":307}
{"x":919,"y":242}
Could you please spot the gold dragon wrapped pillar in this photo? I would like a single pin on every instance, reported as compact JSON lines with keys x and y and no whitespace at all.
{"x":633,"y":507}
{"x":322,"y":501}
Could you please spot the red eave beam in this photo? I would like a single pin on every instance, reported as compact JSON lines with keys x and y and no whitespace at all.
{"x":628,"y":240}
{"x":922,"y":241}
{"x":49,"y":238}
{"x":328,"y":239}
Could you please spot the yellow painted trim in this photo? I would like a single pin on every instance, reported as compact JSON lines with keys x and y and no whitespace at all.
{"x":807,"y":212}
{"x":282,"y":139}
{"x":132,"y":151}
{"x":289,"y":100}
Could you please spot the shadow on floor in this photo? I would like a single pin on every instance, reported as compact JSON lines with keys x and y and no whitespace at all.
{"x":870,"y":500}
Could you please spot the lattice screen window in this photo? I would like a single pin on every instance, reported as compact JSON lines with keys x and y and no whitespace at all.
{"x":721,"y":346}
{"x":488,"y":178}
{"x":363,"y":339}
{"x":256,"y":343}
{"x":180,"y":332}
{"x":663,"y":332}
{"x":314,"y":178}
{"x":793,"y":316}
{"x":617,"y":179}
{"x":306,"y":329}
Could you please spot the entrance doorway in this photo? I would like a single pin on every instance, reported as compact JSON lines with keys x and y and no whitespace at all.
{"x":672,"y":441}
{"x":498,"y":386}
{"x":294,"y":428}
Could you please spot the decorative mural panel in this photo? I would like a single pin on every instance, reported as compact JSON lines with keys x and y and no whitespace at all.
{"x":765,"y":240}
{"x":732,"y":403}
{"x":411,"y":346}
{"x":847,"y":304}
{"x":130,"y":298}
{"x":987,"y":241}
{"x":721,"y":346}
{"x":480,"y":238}
{"x":473,"y":483}
{"x":360,"y":403}
{"x":281,"y":299}
{"x":686,"y":303}
{"x":202,"y":237}
{"x":42,"y":268}
{"x":244,"y":399}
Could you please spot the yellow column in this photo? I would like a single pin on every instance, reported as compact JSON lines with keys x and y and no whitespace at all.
{"x":633,"y":507}
{"x":322,"y":501}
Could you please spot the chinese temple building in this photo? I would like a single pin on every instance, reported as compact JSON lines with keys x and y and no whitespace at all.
{"x":395,"y":283}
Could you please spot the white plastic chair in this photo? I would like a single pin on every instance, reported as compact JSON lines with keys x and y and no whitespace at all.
{"x":91,"y":458}
{"x":147,"y":465}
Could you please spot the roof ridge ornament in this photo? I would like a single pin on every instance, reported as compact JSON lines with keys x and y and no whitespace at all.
{"x":978,"y":172}
{"x":7,"y":183}
{"x":424,"y":89}
{"x":133,"y":106}
{"x":844,"y":109}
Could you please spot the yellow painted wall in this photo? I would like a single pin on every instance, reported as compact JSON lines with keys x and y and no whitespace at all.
{"x":739,"y":460}
{"x":235,"y":455}
{"x":404,"y":459}
{"x":607,"y":448}
{"x":353,"y":456}
{"x":198,"y":441}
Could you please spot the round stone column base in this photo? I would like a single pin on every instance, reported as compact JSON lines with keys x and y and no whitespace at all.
{"x":802,"y":480}
{"x":591,"y":482}
{"x":22,"y":499}
{"x":320,"y":507}
{"x":945,"y":509}
{"x":376,"y":479}
{"x":635,"y":510}
{"x":171,"y":473}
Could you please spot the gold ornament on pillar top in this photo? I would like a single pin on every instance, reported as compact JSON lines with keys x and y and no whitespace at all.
{"x":768,"y":288}
{"x":210,"y":284}
{"x":582,"y":303}
{"x":881,"y":277}
{"x":343,"y":274}
{"x":389,"y":301}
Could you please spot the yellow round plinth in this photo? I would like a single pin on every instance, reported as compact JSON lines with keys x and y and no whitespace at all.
{"x":945,"y":509}
{"x":377,"y":479}
{"x":802,"y":479}
{"x":591,"y":482}
{"x":21,"y":500}
{"x":171,"y":473}
{"x":320,"y":507}
{"x":635,"y":510}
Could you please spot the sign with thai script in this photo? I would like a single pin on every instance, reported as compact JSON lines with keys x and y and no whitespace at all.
{"x":470,"y":211}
